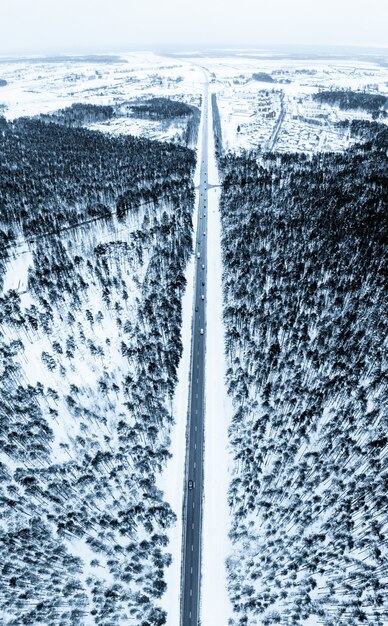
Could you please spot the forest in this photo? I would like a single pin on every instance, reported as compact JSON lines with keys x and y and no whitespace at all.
{"x":304,"y":280}
{"x":79,"y":114}
{"x":263,"y":77}
{"x":348,"y":100}
{"x":96,"y":234}
{"x":373,"y":134}
{"x":217,"y":130}
{"x":164,"y":109}
{"x":52,"y":177}
{"x":83,"y":113}
{"x":159,"y":109}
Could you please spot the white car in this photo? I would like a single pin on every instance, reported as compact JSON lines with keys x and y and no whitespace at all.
{"x":201,"y":331}
{"x":198,"y":255}
{"x":203,"y":297}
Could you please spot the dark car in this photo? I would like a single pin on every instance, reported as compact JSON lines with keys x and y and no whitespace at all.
{"x":191,"y":485}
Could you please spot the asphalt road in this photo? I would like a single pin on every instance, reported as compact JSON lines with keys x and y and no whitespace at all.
{"x":275,"y":133}
{"x":192,"y":520}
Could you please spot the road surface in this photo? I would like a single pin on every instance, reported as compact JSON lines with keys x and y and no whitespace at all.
{"x":192,"y":519}
{"x":275,"y":133}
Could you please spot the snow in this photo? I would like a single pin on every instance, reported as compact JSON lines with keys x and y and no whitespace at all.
{"x":37,"y":88}
{"x":16,"y":275}
{"x":82,"y":372}
{"x":238,"y":100}
{"x":215,"y":606}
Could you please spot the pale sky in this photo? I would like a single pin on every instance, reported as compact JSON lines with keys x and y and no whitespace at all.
{"x":49,"y":26}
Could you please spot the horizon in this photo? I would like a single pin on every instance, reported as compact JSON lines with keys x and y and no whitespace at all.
{"x":276,"y":49}
{"x":62,"y":28}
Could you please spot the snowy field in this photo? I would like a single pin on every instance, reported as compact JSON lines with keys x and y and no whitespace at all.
{"x":250,"y":109}
{"x":36,"y":86}
{"x":254,"y":113}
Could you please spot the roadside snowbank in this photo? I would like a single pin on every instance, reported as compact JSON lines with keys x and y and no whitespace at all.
{"x":215,"y":607}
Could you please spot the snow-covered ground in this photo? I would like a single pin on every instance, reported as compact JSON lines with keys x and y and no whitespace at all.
{"x":79,"y":375}
{"x":247,"y":119}
{"x":249,"y":109}
{"x":35,"y":88}
{"x":215,"y":607}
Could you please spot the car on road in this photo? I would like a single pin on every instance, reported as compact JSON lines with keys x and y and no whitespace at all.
{"x":198,"y":255}
{"x":201,"y":331}
{"x":203,"y":266}
{"x":196,"y":308}
{"x":203,"y":297}
{"x":203,"y":283}
{"x":190,"y":485}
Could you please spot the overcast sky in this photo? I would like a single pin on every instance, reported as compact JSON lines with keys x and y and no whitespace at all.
{"x":39,"y":26}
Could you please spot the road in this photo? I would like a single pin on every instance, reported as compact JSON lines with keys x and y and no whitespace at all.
{"x":192,"y":519}
{"x":275,"y":133}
